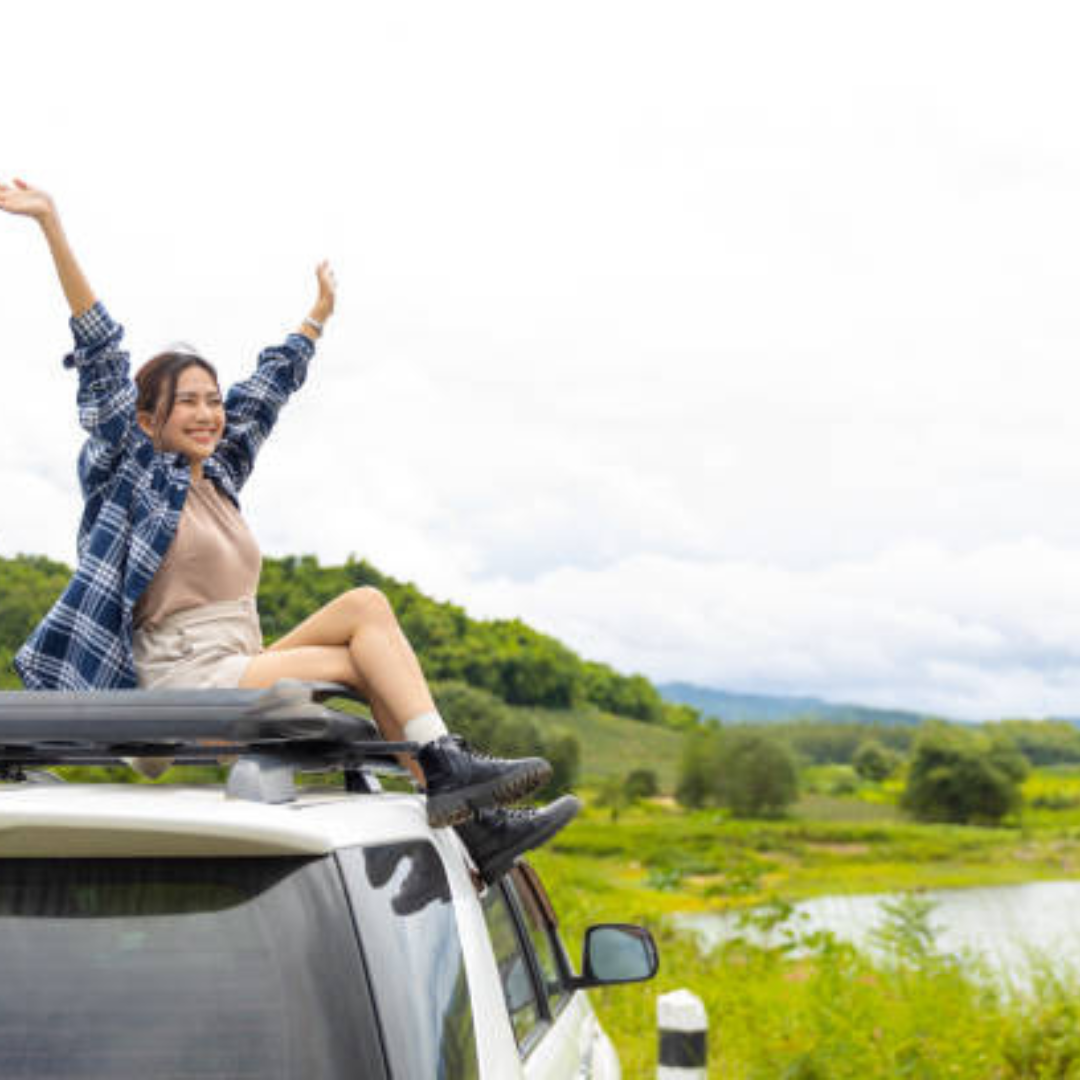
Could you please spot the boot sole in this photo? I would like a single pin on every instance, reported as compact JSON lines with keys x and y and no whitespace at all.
{"x":495,"y":867}
{"x":457,"y":806}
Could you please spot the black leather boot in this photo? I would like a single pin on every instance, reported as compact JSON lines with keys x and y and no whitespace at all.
{"x":495,"y":838}
{"x":460,"y":780}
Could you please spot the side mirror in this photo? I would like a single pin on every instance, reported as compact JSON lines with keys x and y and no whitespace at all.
{"x":617,"y":953}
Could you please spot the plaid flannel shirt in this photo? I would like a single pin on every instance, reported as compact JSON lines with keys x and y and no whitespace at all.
{"x":133,"y":496}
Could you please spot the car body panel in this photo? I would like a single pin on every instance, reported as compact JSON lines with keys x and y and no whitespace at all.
{"x":146,"y":820}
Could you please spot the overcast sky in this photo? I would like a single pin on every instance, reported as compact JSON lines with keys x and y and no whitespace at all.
{"x":733,"y":343}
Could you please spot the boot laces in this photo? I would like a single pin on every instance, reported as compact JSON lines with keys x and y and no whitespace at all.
{"x":515,"y":813}
{"x":467,"y":747}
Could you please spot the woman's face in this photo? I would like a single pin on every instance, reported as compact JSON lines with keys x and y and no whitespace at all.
{"x":197,"y":421}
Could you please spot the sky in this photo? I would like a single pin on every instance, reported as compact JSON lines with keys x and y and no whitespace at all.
{"x":733,"y":343}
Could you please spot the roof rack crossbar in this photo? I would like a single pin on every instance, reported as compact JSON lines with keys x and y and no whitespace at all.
{"x":273,"y":732}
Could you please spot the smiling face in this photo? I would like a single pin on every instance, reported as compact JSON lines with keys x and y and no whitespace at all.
{"x":197,"y":420}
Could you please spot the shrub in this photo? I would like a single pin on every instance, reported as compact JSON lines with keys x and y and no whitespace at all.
{"x":874,"y":762}
{"x":963,"y":777}
{"x":757,"y":775}
{"x":697,"y":771}
{"x":741,"y":769}
{"x":642,"y":784}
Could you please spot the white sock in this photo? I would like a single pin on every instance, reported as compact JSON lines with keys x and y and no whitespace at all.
{"x":425,"y":728}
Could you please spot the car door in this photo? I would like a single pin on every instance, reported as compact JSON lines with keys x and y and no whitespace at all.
{"x":556,"y":1031}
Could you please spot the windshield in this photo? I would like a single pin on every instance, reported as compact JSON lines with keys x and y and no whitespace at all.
{"x":209,"y":968}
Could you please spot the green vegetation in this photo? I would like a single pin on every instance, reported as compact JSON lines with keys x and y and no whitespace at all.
{"x":642,"y":784}
{"x":875,"y":762}
{"x":505,"y":657}
{"x":508,"y":659}
{"x":742,"y":769}
{"x":613,"y":747}
{"x":959,"y":775}
{"x":809,"y":1005}
{"x":884,"y":807}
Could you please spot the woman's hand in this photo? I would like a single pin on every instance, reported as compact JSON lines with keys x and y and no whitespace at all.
{"x":34,"y":203}
{"x":27,"y":201}
{"x":324,"y":305}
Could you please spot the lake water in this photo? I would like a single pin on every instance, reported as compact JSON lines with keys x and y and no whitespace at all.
{"x":1003,"y":925}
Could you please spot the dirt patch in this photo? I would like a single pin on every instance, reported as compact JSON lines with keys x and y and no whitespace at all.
{"x":840,"y":848}
{"x":703,"y":881}
{"x":781,"y":858}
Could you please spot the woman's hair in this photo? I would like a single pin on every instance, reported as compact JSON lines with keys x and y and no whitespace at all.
{"x":155,"y":382}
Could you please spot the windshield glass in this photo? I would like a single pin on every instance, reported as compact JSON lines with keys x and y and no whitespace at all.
{"x":210,"y":968}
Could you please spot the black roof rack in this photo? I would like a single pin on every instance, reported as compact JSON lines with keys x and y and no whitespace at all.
{"x":273,"y":733}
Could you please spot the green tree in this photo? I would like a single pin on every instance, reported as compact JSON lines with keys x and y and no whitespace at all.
{"x":682,"y":717}
{"x":612,"y":794}
{"x":29,"y":584}
{"x":8,"y":679}
{"x":874,"y":762}
{"x":756,"y":774}
{"x":963,"y":776}
{"x":1042,"y":742}
{"x":740,"y":768}
{"x":563,"y":750}
{"x":696,"y":784}
{"x":642,"y":784}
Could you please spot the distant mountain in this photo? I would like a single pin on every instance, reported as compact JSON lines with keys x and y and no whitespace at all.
{"x":766,"y":709}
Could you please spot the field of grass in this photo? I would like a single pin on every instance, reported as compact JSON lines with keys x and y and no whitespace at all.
{"x":831,"y":1013}
{"x":614,"y":746}
{"x":670,"y":859}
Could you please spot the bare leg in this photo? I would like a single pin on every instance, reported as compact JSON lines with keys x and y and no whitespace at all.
{"x":355,"y":639}
{"x":382,"y":661}
{"x":325,"y":663}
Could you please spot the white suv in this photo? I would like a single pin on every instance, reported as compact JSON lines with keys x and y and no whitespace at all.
{"x":264,"y":930}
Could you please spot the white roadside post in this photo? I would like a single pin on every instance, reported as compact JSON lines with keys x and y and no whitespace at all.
{"x":683,"y":1028}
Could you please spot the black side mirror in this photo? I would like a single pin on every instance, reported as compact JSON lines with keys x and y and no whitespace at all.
{"x":617,"y":953}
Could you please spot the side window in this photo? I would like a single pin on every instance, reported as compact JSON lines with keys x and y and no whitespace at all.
{"x":517,"y":982}
{"x":408,"y":930}
{"x":538,"y":921}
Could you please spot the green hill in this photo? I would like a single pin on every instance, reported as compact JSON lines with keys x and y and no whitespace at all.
{"x":505,"y":657}
{"x":501,"y":683}
{"x":614,"y":746}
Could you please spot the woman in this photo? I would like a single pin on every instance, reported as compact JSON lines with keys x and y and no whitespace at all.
{"x":164,"y":591}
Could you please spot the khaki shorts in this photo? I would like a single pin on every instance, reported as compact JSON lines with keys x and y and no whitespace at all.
{"x":207,"y":647}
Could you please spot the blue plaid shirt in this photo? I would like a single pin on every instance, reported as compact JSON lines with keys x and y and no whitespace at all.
{"x":133,"y":496}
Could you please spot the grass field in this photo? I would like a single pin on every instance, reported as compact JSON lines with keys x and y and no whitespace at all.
{"x":832,"y":1013}
{"x":613,"y":746}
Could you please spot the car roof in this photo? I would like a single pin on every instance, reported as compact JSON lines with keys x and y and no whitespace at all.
{"x":141,"y":820}
{"x":271,"y":736}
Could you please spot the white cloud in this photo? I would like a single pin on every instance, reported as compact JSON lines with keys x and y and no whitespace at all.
{"x":747,"y":303}
{"x":978,"y":634}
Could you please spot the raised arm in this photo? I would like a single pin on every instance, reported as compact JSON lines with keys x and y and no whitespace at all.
{"x":106,"y":394}
{"x":31,"y":202}
{"x":252,"y":406}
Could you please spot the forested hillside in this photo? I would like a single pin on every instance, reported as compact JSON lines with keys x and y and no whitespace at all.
{"x":505,"y":657}
{"x":489,"y":675}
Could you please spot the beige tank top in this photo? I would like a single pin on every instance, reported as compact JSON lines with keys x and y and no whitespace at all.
{"x":213,"y":557}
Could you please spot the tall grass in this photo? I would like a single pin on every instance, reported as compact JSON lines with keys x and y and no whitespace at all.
{"x":810,"y":1007}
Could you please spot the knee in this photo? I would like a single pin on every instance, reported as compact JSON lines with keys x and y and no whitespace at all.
{"x":369,"y":604}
